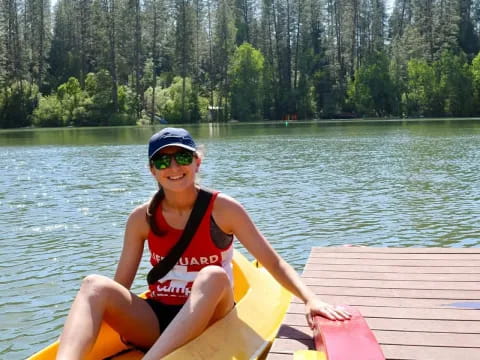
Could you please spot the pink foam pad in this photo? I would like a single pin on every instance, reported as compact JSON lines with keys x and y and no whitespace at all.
{"x":346,"y":340}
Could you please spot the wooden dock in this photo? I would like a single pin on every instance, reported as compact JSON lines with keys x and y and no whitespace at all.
{"x":421,"y":303}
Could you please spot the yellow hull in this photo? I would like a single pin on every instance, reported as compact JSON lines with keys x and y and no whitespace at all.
{"x":245,"y":333}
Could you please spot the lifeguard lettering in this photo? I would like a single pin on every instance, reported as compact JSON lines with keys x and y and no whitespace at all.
{"x":175,"y":287}
{"x":187,"y":261}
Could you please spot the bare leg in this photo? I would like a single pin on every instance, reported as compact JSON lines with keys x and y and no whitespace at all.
{"x":210,"y":300}
{"x":102,"y":298}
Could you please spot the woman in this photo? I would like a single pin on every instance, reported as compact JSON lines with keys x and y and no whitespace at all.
{"x":198,"y":290}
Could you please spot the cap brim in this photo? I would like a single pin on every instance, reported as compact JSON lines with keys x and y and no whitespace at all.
{"x":173,"y":144}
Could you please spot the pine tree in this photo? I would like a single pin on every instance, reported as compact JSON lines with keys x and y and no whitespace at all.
{"x":63,"y":57}
{"x":468,"y":38}
{"x":153,"y":26}
{"x":224,"y":47}
{"x":14,"y":55}
{"x":267,"y":45}
{"x":109,"y":8}
{"x":3,"y":48}
{"x":184,"y":46}
{"x":401,"y":17}
{"x":446,"y":33}
{"x":243,"y":20}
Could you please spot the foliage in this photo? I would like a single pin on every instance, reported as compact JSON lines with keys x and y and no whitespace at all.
{"x":444,"y":87}
{"x":246,"y":88}
{"x":223,"y":47}
{"x":168,"y":102}
{"x":422,"y":95}
{"x":71,"y":97}
{"x":456,"y":85}
{"x":305,"y":96}
{"x":17,"y":103}
{"x":476,"y":80}
{"x":320,"y":59}
{"x":49,"y":112}
{"x":326,"y":93}
{"x":371,"y":91}
{"x":72,"y":105}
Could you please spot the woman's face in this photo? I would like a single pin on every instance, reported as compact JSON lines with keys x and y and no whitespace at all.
{"x":175,"y":168}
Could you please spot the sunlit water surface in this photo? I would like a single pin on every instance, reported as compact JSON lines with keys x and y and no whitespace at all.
{"x":65,"y":195}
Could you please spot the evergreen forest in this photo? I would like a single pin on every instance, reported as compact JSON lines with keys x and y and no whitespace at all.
{"x":123,"y":62}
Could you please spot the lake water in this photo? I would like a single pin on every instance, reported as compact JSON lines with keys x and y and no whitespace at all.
{"x":65,"y":195}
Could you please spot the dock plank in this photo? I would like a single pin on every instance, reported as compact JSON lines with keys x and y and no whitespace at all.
{"x":395,"y":256}
{"x":402,"y":293}
{"x":408,"y":337}
{"x":392,"y":250}
{"x":404,"y":352}
{"x":396,"y":262}
{"x":419,"y":302}
{"x":385,"y":301}
{"x":393,"y":269}
{"x":388,"y":276}
{"x":396,"y":284}
{"x":405,"y":313}
{"x":302,"y":331}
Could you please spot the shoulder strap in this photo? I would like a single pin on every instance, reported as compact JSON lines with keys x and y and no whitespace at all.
{"x":168,"y":262}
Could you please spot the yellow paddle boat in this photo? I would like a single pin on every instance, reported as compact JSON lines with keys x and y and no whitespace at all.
{"x":245,"y":333}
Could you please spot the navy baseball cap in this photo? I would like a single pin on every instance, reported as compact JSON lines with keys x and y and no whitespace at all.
{"x":170,"y":137}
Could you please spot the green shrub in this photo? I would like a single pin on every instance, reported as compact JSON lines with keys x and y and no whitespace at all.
{"x":246,"y":72}
{"x":49,"y":112}
{"x":82,"y":117}
{"x":168,"y":102}
{"x":17,"y":103}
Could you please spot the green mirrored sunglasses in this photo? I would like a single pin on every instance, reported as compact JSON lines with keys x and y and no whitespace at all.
{"x":182,"y":157}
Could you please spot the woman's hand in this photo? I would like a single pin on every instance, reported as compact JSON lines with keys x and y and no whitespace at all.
{"x":316,"y":307}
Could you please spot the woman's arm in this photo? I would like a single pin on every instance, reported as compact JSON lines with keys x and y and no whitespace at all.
{"x":136,"y":232}
{"x":233,"y":218}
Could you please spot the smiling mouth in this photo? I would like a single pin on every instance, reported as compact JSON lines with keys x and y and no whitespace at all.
{"x":178,"y":177}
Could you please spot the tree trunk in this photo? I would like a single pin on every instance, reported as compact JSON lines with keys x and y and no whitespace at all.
{"x":429,"y":20}
{"x":41,"y":29}
{"x":354,"y":53}
{"x":289,"y":51}
{"x":278,"y":103}
{"x":183,"y":53}
{"x":138,"y":65}
{"x":402,"y":18}
{"x":297,"y":46}
{"x":338,"y":36}
{"x":210,"y":53}
{"x":110,"y":12}
{"x":82,"y":20}
{"x":246,"y":20}
{"x":14,"y":56}
{"x":155,"y":59}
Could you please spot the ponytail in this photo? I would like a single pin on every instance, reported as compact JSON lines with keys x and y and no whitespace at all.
{"x":152,"y":210}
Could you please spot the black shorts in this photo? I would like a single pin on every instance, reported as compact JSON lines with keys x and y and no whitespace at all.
{"x":165,"y":313}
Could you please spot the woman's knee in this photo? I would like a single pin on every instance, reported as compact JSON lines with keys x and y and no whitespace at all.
{"x":213,"y":273}
{"x":96,"y":286}
{"x":211,"y":278}
{"x":213,"y":284}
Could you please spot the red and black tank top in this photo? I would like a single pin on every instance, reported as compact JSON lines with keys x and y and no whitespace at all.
{"x":174,"y":288}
